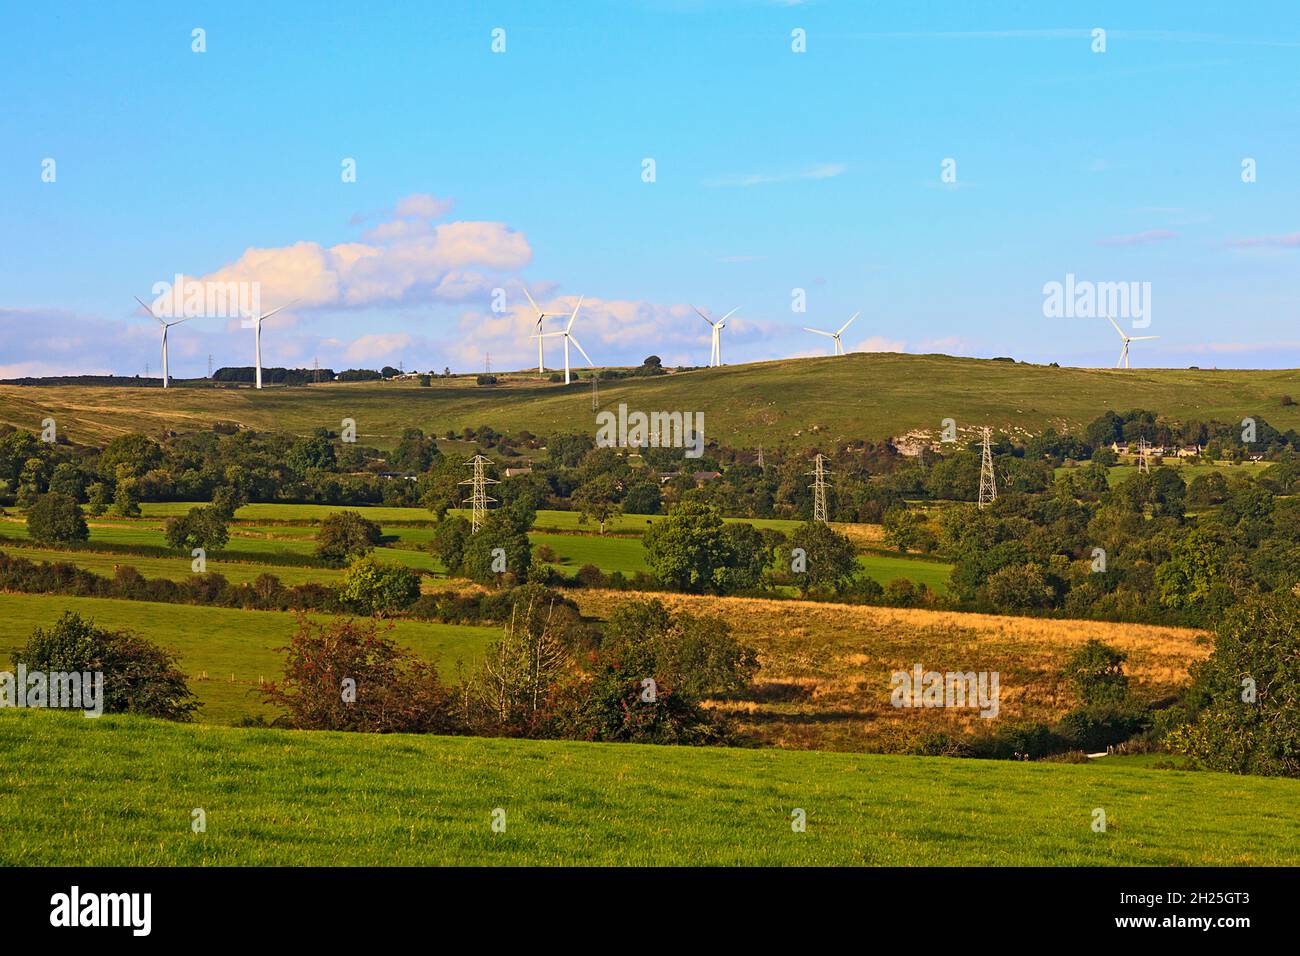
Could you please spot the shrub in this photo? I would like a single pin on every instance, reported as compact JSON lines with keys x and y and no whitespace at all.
{"x":57,"y":519}
{"x":346,"y":675}
{"x":1096,"y":674}
{"x":1098,"y":726}
{"x":139,"y":677}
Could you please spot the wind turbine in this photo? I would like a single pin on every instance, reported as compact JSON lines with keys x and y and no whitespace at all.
{"x":257,"y":327}
{"x":569,"y":336}
{"x":839,"y":346}
{"x":541,"y":368}
{"x":1123,"y":352}
{"x":165,"y":326}
{"x":715,"y":356}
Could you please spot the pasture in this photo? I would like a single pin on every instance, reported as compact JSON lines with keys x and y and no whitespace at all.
{"x":294,"y":798}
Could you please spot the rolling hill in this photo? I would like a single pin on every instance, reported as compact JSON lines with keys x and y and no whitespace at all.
{"x":796,"y":403}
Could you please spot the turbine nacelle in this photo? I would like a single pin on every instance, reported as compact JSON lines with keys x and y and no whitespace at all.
{"x":839,"y":345}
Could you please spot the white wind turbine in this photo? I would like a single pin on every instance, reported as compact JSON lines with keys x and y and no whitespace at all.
{"x":1123,"y":352}
{"x":715,"y":355}
{"x":839,"y":346}
{"x":569,"y":336}
{"x":256,"y":323}
{"x":165,"y":326}
{"x":541,"y":367}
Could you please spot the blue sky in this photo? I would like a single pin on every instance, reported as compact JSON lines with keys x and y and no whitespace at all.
{"x":774,"y":171}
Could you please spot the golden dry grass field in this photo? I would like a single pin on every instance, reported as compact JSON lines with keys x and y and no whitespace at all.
{"x":825,"y":671}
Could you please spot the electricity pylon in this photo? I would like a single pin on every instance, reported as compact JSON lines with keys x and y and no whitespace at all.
{"x":595,"y":392}
{"x":478,"y":498}
{"x":818,"y":487}
{"x":1144,"y":457}
{"x":988,"y":485}
{"x":762,"y":466}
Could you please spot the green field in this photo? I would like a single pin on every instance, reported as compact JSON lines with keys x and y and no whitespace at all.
{"x":868,"y":395}
{"x":120,"y":791}
{"x":222,"y":642}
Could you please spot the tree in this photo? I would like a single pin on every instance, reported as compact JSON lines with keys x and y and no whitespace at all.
{"x":643,"y":498}
{"x":126,"y":499}
{"x":129,"y":456}
{"x":566,"y":450}
{"x":501,"y":546}
{"x":830,"y":559}
{"x":56,"y":519}
{"x":1245,"y":718}
{"x":687,"y":550}
{"x":1096,"y":673}
{"x":345,"y":535}
{"x":346,"y":675}
{"x":313,"y":453}
{"x":139,"y":676}
{"x":597,"y":499}
{"x":414,"y":453}
{"x":450,"y":535}
{"x":905,"y":530}
{"x":512,"y":687}
{"x":200,"y":528}
{"x":648,"y":678}
{"x":370,"y":587}
{"x":1018,"y":587}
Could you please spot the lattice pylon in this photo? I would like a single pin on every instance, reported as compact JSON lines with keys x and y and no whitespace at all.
{"x":988,"y":483}
{"x":819,"y":486}
{"x":1144,"y":457}
{"x":478,"y":498}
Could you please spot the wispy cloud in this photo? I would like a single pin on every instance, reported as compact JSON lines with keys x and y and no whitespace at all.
{"x":1140,"y":238}
{"x":820,"y":171}
{"x":1288,"y":241}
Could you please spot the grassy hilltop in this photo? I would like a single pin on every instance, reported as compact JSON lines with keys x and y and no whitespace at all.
{"x":792,"y":402}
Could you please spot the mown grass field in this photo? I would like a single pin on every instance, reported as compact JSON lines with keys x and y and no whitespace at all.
{"x":824,"y":681}
{"x":121,"y":791}
{"x":222,"y":642}
{"x":871,"y":395}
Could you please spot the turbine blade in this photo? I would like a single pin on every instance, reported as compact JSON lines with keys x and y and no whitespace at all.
{"x":848,"y":323}
{"x":532,"y":303}
{"x":578,"y":346}
{"x":148,"y":308}
{"x":729,"y":315}
{"x":819,"y":332}
{"x":703,"y":316}
{"x":1117,"y":328}
{"x":1143,"y":338}
{"x":573,"y":318}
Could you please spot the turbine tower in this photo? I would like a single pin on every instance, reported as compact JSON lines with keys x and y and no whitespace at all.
{"x":478,"y":496}
{"x":1123,"y":352}
{"x":541,"y":365}
{"x":715,"y":355}
{"x":567,"y":332}
{"x":256,"y":324}
{"x":839,"y":346}
{"x":988,"y":484}
{"x":819,"y":486}
{"x":165,"y":326}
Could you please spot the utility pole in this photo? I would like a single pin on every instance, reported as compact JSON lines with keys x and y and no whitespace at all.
{"x":819,"y":486}
{"x":487,"y":363}
{"x":209,"y":365}
{"x":478,"y":499}
{"x":316,"y":367}
{"x":595,"y":392}
{"x":988,"y":484}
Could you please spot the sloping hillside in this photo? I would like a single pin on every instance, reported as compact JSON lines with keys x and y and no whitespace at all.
{"x":795,"y":402}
